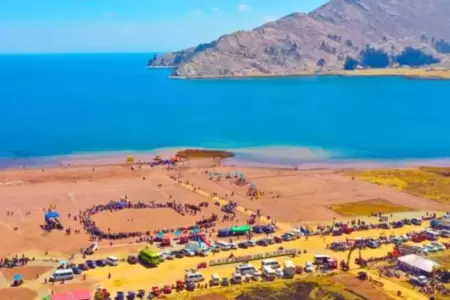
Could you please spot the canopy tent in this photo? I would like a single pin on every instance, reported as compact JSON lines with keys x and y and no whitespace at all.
{"x":131,"y":159}
{"x":52,"y":215}
{"x":76,"y":295}
{"x":240,"y":229}
{"x":417,"y":263}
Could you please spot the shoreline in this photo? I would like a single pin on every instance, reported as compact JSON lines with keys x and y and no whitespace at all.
{"x":429,"y":73}
{"x":258,"y":157}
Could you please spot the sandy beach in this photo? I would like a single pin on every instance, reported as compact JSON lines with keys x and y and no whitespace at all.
{"x":290,"y":197}
{"x":75,"y":188}
{"x":429,"y":73}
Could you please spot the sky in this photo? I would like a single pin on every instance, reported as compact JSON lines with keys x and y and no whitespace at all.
{"x":74,"y":26}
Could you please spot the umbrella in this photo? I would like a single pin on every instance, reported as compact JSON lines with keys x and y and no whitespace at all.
{"x":52,"y":214}
{"x":18,"y":277}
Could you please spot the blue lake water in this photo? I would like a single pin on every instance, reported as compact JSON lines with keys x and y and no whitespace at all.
{"x":64,"y":104}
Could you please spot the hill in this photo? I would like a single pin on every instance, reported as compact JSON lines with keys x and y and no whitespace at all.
{"x":340,"y":34}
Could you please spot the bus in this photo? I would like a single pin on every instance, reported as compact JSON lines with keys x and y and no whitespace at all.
{"x":149,"y":258}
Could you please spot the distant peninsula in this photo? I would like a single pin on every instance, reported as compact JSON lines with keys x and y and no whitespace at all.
{"x":399,"y":37}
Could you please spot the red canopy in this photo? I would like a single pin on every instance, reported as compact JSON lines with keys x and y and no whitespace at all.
{"x":75,"y":295}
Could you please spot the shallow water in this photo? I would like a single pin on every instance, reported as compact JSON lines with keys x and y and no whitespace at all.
{"x":67,"y":104}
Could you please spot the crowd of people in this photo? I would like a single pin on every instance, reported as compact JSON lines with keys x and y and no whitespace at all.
{"x":97,"y":233}
{"x":16,"y":261}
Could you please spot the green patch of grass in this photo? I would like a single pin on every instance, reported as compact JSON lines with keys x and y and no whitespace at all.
{"x":199,"y":153}
{"x":365,"y":208}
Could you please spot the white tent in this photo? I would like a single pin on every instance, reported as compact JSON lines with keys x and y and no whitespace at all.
{"x":417,"y":263}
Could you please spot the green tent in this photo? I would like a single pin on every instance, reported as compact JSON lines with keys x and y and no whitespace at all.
{"x":241,"y":229}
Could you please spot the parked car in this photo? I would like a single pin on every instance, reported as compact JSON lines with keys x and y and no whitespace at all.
{"x":424,"y":249}
{"x":91,"y":264}
{"x":233,"y":246}
{"x":286,"y":237}
{"x":100,"y":262}
{"x":397,"y":240}
{"x":438,"y":246}
{"x":270,"y":240}
{"x":225,"y":282}
{"x":178,"y":254}
{"x":309,"y":267}
{"x":262,"y":242}
{"x":431,"y":248}
{"x":167,"y":255}
{"x":243,"y":245}
{"x":215,"y":249}
{"x":416,"y":221}
{"x":83,"y":267}
{"x":373,"y":244}
{"x":76,"y":270}
{"x":132,"y":260}
{"x":256,"y":276}
{"x":187,"y":252}
{"x":251,"y":243}
{"x":419,"y":280}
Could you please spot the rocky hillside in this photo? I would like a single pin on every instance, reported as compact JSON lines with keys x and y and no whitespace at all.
{"x":324,"y":38}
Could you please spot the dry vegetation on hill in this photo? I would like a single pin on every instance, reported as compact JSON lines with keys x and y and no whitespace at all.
{"x":324,"y":39}
{"x":427,"y":182}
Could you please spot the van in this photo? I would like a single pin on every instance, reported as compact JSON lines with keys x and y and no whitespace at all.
{"x":268,"y":273}
{"x":289,"y":269}
{"x":62,"y":274}
{"x":271,"y":263}
{"x":321,"y":259}
{"x":222,"y":245}
{"x":112,"y":261}
{"x":245,"y":269}
{"x":215,"y":280}
{"x":237,"y":278}
{"x":194,"y":277}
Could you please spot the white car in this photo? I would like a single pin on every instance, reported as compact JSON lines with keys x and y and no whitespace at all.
{"x":438,"y":246}
{"x":188,"y":252}
{"x":233,"y":246}
{"x":251,"y":243}
{"x":404,"y":237}
{"x":256,"y":275}
{"x":309,"y":267}
{"x":431,"y":248}
{"x":280,"y":273}
{"x":424,"y":249}
{"x":164,"y":255}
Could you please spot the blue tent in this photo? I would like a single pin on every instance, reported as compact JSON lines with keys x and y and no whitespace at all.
{"x":18,"y":277}
{"x":52,"y":215}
